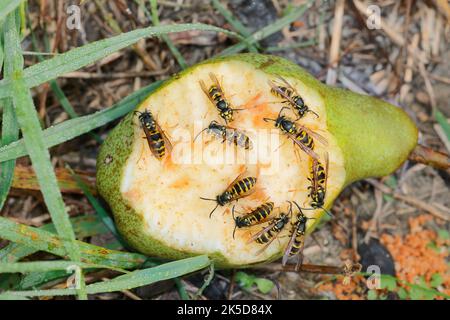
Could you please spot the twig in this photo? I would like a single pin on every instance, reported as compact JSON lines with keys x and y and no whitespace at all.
{"x":335,"y":41}
{"x":312,"y":268}
{"x":409,"y":200}
{"x":430,"y":157}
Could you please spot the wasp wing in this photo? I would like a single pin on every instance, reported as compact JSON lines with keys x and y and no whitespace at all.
{"x":315,"y":135}
{"x":304,"y":148}
{"x":282,"y":93}
{"x":167,"y":142}
{"x":263,"y":230}
{"x":289,"y":246}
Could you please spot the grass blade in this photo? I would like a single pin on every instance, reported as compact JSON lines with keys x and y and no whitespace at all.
{"x":44,"y":266}
{"x":133,"y":279}
{"x":84,"y":226}
{"x":46,"y":241}
{"x":170,"y":44}
{"x":28,"y":120}
{"x":440,"y":118}
{"x":10,"y":128}
{"x":73,"y":128}
{"x":7,"y":6}
{"x":88,"y":54}
{"x":234,"y":22}
{"x":268,"y":30}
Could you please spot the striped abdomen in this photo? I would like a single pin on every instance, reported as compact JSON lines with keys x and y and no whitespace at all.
{"x":241,"y":187}
{"x":272,"y":232}
{"x":303,"y":137}
{"x":238,"y":138}
{"x":155,"y":141}
{"x":256,"y":216}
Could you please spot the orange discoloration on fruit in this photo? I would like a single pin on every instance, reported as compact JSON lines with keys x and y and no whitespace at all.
{"x":181,"y":183}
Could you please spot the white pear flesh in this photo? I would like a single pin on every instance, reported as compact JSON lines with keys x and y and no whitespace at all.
{"x":167,"y":192}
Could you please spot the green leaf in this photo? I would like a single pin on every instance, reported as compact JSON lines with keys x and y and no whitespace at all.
{"x":388,"y":282}
{"x":402,"y":293}
{"x":73,"y":128}
{"x":10,"y":128}
{"x":440,"y":118}
{"x":43,"y":266}
{"x":88,"y":54}
{"x":264,"y":285}
{"x":436,"y":280}
{"x":84,"y":226}
{"x":7,"y":6}
{"x":443,"y":234}
{"x":372,"y":295}
{"x":133,"y":279}
{"x":45,"y":241}
{"x":245,"y":280}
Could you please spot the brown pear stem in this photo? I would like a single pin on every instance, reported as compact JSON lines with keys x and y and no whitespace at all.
{"x":430,"y":157}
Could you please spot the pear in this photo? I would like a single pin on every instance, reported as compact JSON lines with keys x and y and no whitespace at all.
{"x":156,"y":198}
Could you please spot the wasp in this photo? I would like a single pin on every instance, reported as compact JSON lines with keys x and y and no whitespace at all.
{"x":300,"y":135}
{"x":270,"y":232}
{"x":318,"y":187}
{"x":217,"y":97}
{"x":291,"y":97}
{"x":156,"y":138}
{"x":226,"y":133}
{"x":238,"y":189}
{"x":254,"y":217}
{"x":297,"y":238}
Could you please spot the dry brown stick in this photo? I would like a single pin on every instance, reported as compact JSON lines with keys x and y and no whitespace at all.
{"x":410,"y":200}
{"x":430,"y":157}
{"x":312,"y":268}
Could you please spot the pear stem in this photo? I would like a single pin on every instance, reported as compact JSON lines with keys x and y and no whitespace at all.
{"x":430,"y":157}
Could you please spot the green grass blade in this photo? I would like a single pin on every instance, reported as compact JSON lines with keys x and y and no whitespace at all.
{"x":303,"y":44}
{"x":234,"y":22}
{"x":101,"y":212}
{"x":10,"y":128}
{"x":440,"y":118}
{"x":268,"y":30}
{"x":7,"y":296}
{"x":133,"y":279}
{"x":154,"y":12}
{"x":84,"y":226}
{"x":44,"y":266}
{"x":46,"y":241}
{"x":88,"y":54}
{"x":28,"y":120}
{"x":73,"y":128}
{"x":7,"y":6}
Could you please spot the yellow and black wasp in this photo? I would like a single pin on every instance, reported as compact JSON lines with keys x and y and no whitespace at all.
{"x":254,"y":217}
{"x":271,"y":231}
{"x":291,"y":97}
{"x":217,"y":97}
{"x":238,"y":189}
{"x":226,"y":133}
{"x":297,"y":238}
{"x":318,"y":187}
{"x":300,"y":135}
{"x":156,"y":138}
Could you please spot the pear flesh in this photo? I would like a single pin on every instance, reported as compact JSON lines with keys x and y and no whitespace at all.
{"x":156,"y":203}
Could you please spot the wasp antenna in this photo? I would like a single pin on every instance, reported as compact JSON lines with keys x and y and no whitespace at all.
{"x":199,"y":134}
{"x":268,"y":119}
{"x":210,"y":214}
{"x":315,"y":113}
{"x":207,"y":199}
{"x":328,"y":212}
{"x":137,"y":112}
{"x":299,"y":208}
{"x":234,"y":231}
